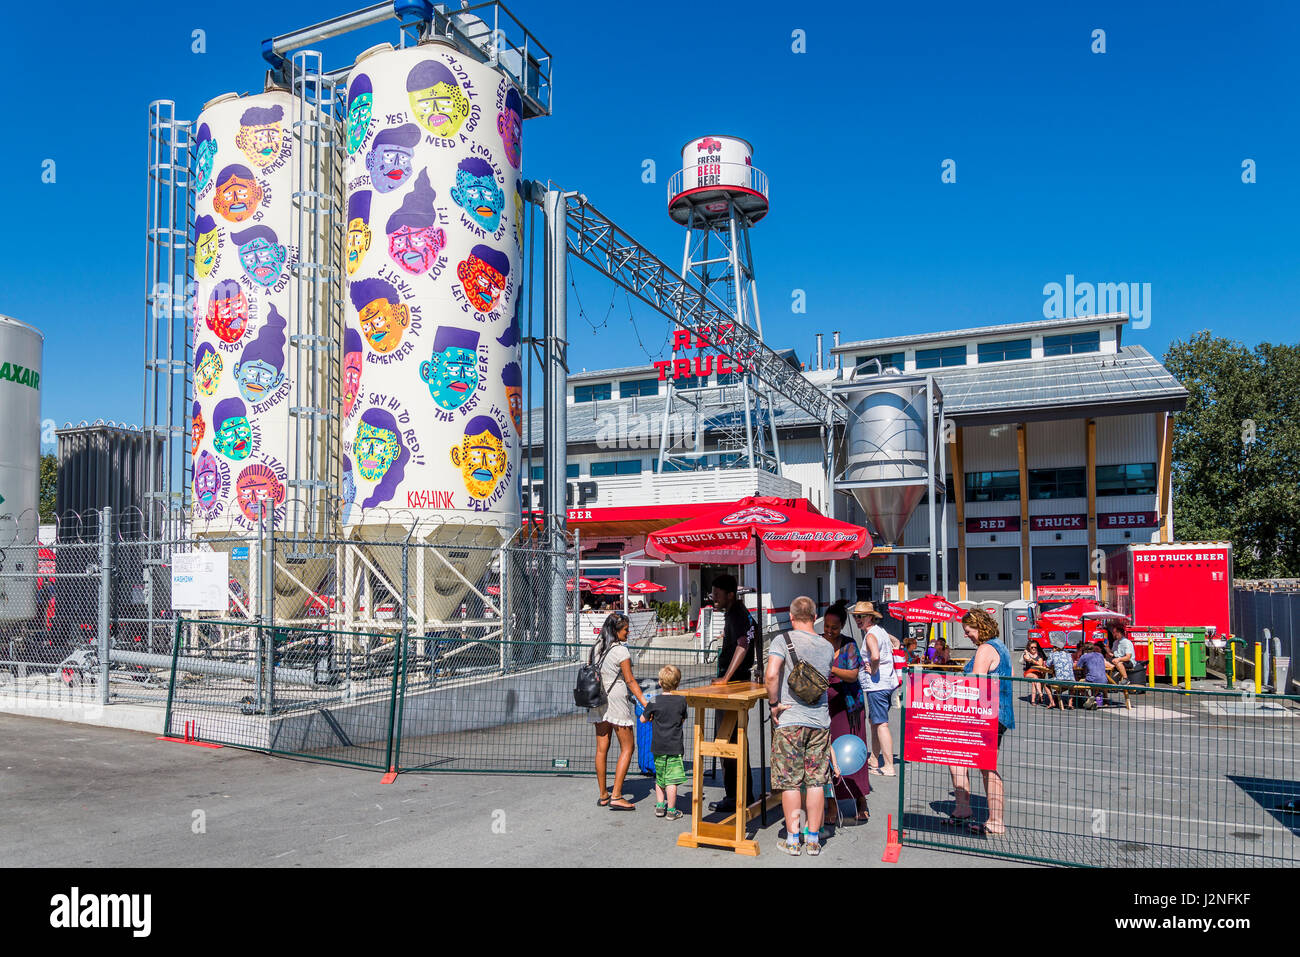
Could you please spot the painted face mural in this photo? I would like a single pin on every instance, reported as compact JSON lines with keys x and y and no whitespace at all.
{"x":414,"y":237}
{"x":512,"y":379}
{"x":206,"y":245}
{"x":483,"y":276}
{"x":383,"y":317}
{"x":351,"y":370}
{"x":227,"y":314}
{"x":349,"y":488}
{"x":261,"y":256}
{"x":360,"y":102}
{"x":207,"y":480}
{"x":376,"y":449}
{"x":255,"y":486}
{"x":234,"y":435}
{"x":260,"y":136}
{"x":519,"y":214}
{"x":476,"y":191}
{"x":436,"y":98}
{"x":509,"y":125}
{"x":237,"y":195}
{"x":452,"y":373}
{"x":481,"y":456}
{"x":358,"y":238}
{"x":390,"y":157}
{"x":260,"y":369}
{"x":197,"y":428}
{"x":205,"y":152}
{"x":207,"y":369}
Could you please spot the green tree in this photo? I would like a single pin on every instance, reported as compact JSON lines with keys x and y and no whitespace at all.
{"x":1236,"y":459}
{"x":49,"y":486}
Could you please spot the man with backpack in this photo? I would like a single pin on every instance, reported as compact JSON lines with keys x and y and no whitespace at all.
{"x":735,"y":663}
{"x":798,"y":673}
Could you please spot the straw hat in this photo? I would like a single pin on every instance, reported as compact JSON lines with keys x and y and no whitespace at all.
{"x":865,"y":608}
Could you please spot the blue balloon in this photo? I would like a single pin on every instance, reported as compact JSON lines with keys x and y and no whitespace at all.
{"x":850,"y":753}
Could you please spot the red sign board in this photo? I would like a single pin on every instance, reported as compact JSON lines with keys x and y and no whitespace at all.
{"x":1064,"y":592}
{"x":886,"y":571}
{"x":1127,"y":519}
{"x":1144,"y":638}
{"x":681,"y":367}
{"x":1058,"y":523}
{"x":952,"y":719}
{"x":994,"y":523}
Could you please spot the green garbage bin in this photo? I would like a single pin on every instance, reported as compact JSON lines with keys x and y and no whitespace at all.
{"x":1180,"y":636}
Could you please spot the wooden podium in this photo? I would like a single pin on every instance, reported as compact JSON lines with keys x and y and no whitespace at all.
{"x":734,"y":700}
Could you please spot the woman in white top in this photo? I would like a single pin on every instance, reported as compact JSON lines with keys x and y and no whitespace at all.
{"x":878,"y":680}
{"x":617,"y":715}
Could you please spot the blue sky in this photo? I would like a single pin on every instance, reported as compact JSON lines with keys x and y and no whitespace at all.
{"x":1117,"y":167}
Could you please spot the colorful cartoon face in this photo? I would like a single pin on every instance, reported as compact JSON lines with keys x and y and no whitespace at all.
{"x":416,"y":250}
{"x":376,"y":449}
{"x":257,"y":379}
{"x":257,"y":485}
{"x":206,"y":154}
{"x":197,"y":428}
{"x":262,"y":260}
{"x":515,"y":399}
{"x":482,"y":461}
{"x":237,"y":198}
{"x":208,"y":373}
{"x":227,"y":314}
{"x":452,"y":376}
{"x":440,"y":108}
{"x":234,"y":439}
{"x":483,"y":284}
{"x":383,"y":322}
{"x":358,"y":243}
{"x":358,"y":119}
{"x":509,"y":125}
{"x":519,"y":219}
{"x":260,"y":143}
{"x":389,"y":165}
{"x":480,"y":197}
{"x":205,"y":253}
{"x":207,"y":480}
{"x":351,"y":380}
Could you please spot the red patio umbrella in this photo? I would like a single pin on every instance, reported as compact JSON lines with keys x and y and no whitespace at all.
{"x":608,"y":583}
{"x":929,"y":609}
{"x":608,"y":589}
{"x":646,"y":587}
{"x":787,"y":529}
{"x":584,"y":584}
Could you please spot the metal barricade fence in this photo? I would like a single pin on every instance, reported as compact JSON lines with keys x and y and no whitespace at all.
{"x":1176,"y":779}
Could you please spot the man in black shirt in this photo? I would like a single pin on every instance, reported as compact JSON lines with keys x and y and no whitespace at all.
{"x":735,"y":663}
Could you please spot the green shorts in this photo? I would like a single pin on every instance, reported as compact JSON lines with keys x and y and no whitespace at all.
{"x":669,"y":769}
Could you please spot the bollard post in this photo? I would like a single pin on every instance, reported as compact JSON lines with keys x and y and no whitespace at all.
{"x":1173,"y":662}
{"x":1187,"y":665}
{"x":1259,"y":668}
{"x":1151,"y":661}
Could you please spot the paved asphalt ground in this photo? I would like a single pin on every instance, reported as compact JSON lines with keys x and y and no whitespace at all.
{"x":77,"y":796}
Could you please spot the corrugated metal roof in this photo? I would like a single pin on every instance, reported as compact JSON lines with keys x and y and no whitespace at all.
{"x":982,"y":332}
{"x":1132,"y":377}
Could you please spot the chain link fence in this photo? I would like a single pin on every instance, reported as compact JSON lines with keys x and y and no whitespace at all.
{"x":1175,"y":779}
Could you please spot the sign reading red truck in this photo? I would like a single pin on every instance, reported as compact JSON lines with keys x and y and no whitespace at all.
{"x":1182,"y":584}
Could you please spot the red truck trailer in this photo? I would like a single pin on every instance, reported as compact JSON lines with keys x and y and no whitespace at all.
{"x":1186,"y":584}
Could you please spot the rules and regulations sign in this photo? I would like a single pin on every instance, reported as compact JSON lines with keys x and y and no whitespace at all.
{"x":200,"y":581}
{"x":952,"y":719}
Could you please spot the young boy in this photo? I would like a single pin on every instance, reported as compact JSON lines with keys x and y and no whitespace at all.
{"x":668,"y":712}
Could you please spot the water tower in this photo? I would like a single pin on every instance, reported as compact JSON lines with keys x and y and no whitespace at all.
{"x":718,"y":195}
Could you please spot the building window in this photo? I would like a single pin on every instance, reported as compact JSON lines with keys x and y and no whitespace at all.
{"x":621,"y":467}
{"x":590,"y":393}
{"x":1058,"y":483}
{"x":630,"y":387}
{"x":887,"y":359}
{"x":570,"y":471}
{"x":925,"y":496}
{"x":1126,"y":479}
{"x":689,"y":382}
{"x":1072,"y":343}
{"x":993,"y":486}
{"x":670,"y":466}
{"x":937,"y":358}
{"x":1003,"y":351}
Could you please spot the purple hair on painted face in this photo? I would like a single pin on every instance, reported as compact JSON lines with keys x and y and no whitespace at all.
{"x":477,"y":167}
{"x":359,"y":86}
{"x":204,"y":134}
{"x":202,"y":352}
{"x":225,"y":289}
{"x":234,"y":169}
{"x":510,"y":337}
{"x":453,"y":337}
{"x":351,"y":341}
{"x":514,"y":102}
{"x":261,"y":115}
{"x":417,"y":210}
{"x":202,"y":225}
{"x":228,"y":409}
{"x":387,"y":487}
{"x":511,"y":376}
{"x":366,"y":291}
{"x":493,"y":257}
{"x":269,"y":344}
{"x":483,"y":423}
{"x":198,"y":411}
{"x":428,"y":73}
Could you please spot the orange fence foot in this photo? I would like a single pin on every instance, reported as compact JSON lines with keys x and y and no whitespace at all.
{"x":390,"y":777}
{"x":892,"y":838}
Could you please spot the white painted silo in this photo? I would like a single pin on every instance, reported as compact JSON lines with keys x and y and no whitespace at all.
{"x":245,"y":447}
{"x":432,"y":437}
{"x":886,"y":440}
{"x":20,"y":454}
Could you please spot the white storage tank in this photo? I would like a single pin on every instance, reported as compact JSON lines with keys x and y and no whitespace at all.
{"x":20,"y":456}
{"x":717,"y":171}
{"x":886,"y":440}
{"x":431,"y":432}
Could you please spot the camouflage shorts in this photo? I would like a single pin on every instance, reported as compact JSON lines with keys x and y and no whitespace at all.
{"x":801,"y":757}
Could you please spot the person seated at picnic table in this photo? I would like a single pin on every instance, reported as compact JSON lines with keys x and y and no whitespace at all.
{"x":1035,"y":666}
{"x":1062,"y":664}
{"x":937,"y":654}
{"x":1091,"y":666}
{"x":1123,"y":656}
{"x":909,"y":649}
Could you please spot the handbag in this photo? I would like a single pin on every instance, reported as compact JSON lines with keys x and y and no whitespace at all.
{"x":589,"y":690}
{"x":804,"y":681}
